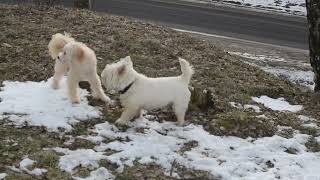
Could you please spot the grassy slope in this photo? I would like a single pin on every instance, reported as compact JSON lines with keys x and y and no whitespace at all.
{"x":154,"y":50}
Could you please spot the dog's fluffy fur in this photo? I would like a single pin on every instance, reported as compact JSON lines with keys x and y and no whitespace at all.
{"x":81,"y":64}
{"x":148,"y":93}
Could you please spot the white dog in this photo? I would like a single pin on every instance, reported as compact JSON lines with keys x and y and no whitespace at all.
{"x":55,"y":46}
{"x":81,"y":64}
{"x":138,"y":92}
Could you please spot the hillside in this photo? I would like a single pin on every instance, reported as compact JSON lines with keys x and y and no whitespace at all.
{"x":242,"y":115}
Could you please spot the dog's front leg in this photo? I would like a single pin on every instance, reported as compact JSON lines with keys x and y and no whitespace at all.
{"x":97,"y":91}
{"x":73,"y":88}
{"x":59,"y":71}
{"x":127,"y":115}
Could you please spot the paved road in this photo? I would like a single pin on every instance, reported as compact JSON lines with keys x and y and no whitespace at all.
{"x":272,"y":28}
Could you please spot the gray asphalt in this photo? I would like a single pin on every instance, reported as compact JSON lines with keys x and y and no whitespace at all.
{"x":271,"y":28}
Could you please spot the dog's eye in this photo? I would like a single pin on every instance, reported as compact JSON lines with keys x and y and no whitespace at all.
{"x":64,"y":53}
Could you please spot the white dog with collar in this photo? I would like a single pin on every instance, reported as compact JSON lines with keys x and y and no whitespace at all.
{"x":138,"y":92}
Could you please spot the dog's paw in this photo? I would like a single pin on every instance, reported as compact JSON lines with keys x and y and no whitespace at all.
{"x":107,"y":100}
{"x":112,"y":103}
{"x":121,"y":122}
{"x":180,"y":123}
{"x":104,"y":98}
{"x":55,"y":86}
{"x":75,"y":101}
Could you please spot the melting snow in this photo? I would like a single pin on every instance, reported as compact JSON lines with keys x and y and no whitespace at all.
{"x":281,"y":5}
{"x":225,"y":157}
{"x":39,"y":105}
{"x":23,"y":167}
{"x":262,"y":116}
{"x":279,"y":104}
{"x":311,"y":125}
{"x":287,"y":6}
{"x":306,"y":118}
{"x":303,"y":78}
{"x":263,"y":58}
{"x":255,"y":108}
{"x":84,"y":157}
{"x":308,"y":121}
{"x":25,"y":163}
{"x":154,"y":142}
{"x":2,"y":175}
{"x":99,"y":174}
{"x":246,"y":106}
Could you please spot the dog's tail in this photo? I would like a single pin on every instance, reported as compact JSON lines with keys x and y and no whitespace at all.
{"x":187,"y":70}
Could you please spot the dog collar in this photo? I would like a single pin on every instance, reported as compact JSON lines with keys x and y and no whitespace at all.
{"x":126,"y":88}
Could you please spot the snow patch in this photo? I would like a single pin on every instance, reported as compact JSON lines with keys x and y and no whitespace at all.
{"x":304,"y":118}
{"x":148,"y":147}
{"x":262,"y":116}
{"x":2,"y":175}
{"x":236,"y":105}
{"x":99,"y":174}
{"x":37,"y":104}
{"x":69,"y":141}
{"x":255,"y":108}
{"x":23,"y":167}
{"x":225,"y":157}
{"x":308,"y":121}
{"x":263,"y":58}
{"x":246,"y":106}
{"x":94,"y":139}
{"x":310,"y":125}
{"x":279,"y":104}
{"x":284,"y":128}
{"x":303,"y":78}
{"x":80,"y":157}
{"x":296,"y":7}
{"x":83,"y":158}
{"x":25,"y":163}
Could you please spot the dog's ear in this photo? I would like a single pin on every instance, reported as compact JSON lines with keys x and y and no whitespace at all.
{"x":60,"y":44}
{"x":67,"y":34}
{"x":121,"y":70}
{"x":127,"y":60}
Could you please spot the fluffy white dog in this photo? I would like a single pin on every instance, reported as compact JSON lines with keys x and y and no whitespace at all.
{"x":81,"y":64}
{"x":138,"y":92}
{"x":55,"y":46}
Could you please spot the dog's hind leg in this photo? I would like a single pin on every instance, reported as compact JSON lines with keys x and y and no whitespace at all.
{"x":97,"y":91}
{"x":180,"y":112}
{"x":73,"y":88}
{"x":141,"y":113}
